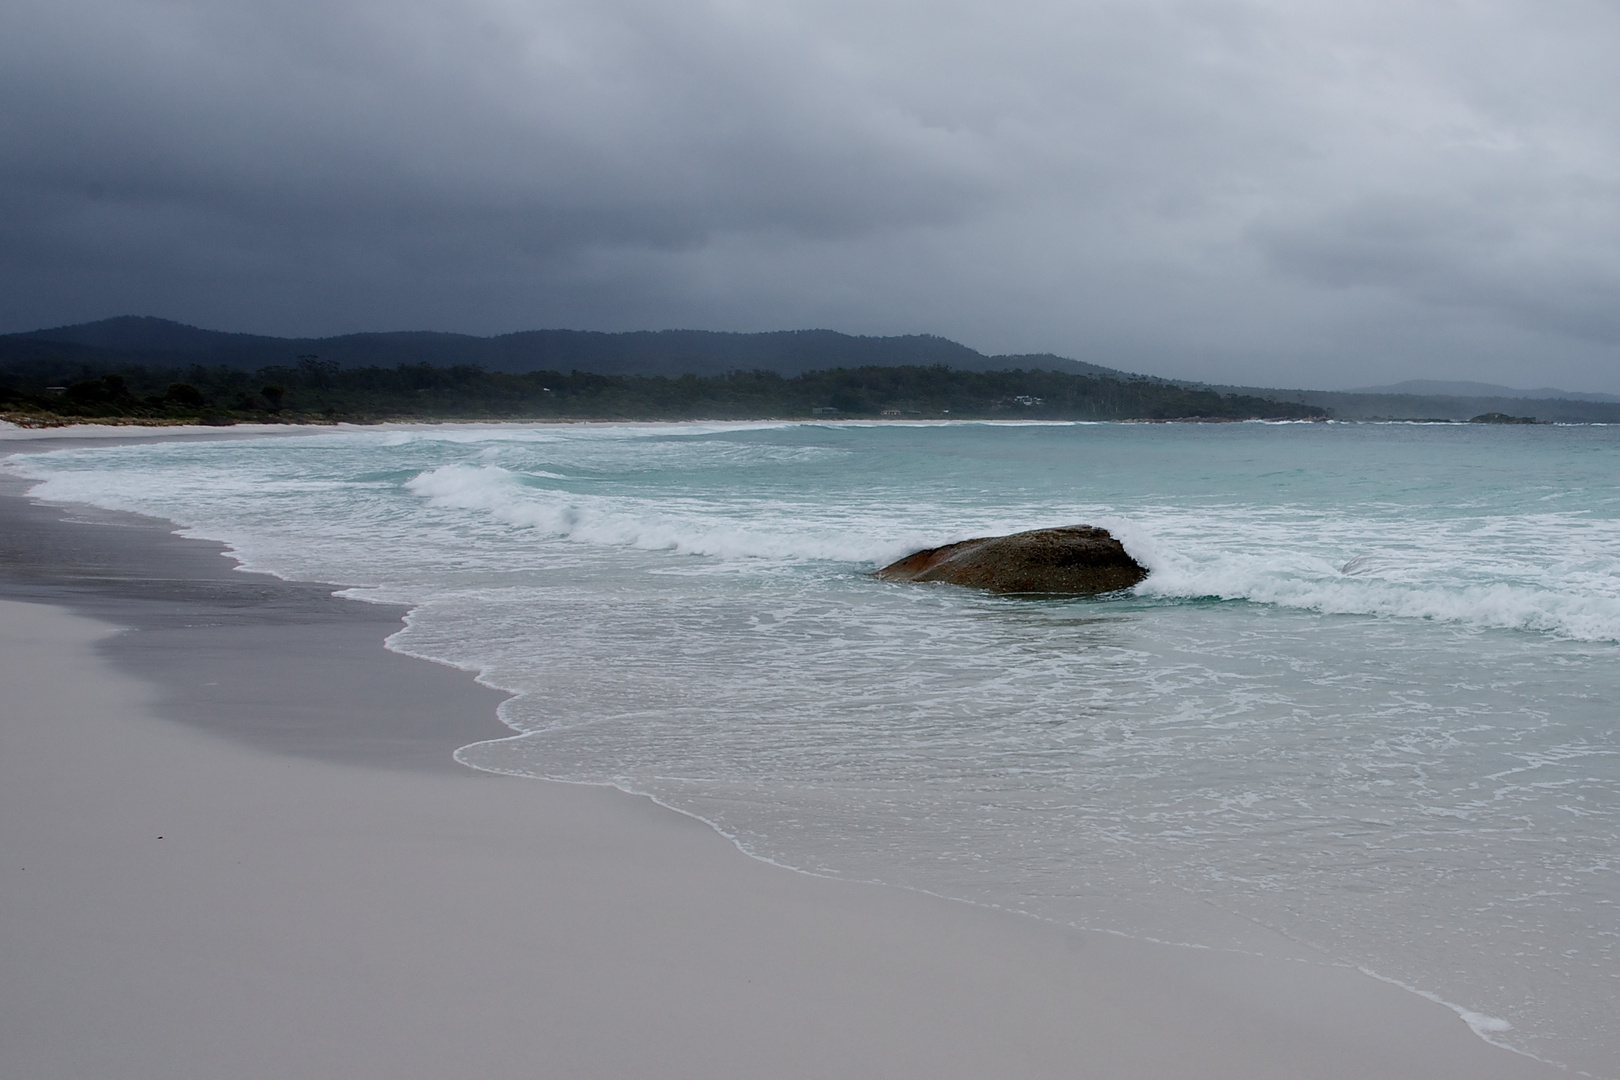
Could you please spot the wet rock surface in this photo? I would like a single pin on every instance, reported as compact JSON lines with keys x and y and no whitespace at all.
{"x":1074,"y":560}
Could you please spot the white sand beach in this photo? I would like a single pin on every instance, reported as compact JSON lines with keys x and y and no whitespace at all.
{"x":178,"y":904}
{"x":235,"y":845}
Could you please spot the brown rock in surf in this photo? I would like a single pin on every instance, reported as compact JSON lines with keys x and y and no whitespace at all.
{"x":1075,"y":560}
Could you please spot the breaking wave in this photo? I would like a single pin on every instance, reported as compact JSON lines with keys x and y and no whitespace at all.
{"x":1497,"y":578}
{"x":724,"y":529}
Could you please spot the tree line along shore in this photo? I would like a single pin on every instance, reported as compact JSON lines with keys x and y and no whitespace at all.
{"x":316,"y":391}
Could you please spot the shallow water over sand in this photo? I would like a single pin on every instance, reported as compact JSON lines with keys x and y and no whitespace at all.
{"x":1367,"y":697}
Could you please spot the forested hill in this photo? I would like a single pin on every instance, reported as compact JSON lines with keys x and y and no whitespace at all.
{"x":314,"y":390}
{"x":365,"y":375}
{"x":143,"y":342}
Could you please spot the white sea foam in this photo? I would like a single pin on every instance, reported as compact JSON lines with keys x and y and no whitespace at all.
{"x":1536,"y":574}
{"x":687,"y":526}
{"x":1489,"y":1028}
{"x":1264,"y":567}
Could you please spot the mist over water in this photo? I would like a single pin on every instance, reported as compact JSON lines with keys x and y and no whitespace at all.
{"x":1367,"y":697}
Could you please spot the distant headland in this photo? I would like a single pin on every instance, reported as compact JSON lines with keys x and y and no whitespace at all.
{"x":140,"y":369}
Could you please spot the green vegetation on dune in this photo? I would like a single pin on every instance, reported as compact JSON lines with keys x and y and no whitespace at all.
{"x":318,"y":391}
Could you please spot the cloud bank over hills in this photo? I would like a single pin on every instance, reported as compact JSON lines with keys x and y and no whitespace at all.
{"x":1235,"y":191}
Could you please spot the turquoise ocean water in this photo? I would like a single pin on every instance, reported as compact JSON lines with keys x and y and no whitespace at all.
{"x":1368,"y":698}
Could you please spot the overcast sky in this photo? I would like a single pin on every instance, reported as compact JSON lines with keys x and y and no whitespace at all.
{"x":1289,"y":193}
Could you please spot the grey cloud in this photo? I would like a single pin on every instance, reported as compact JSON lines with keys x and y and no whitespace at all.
{"x":1496,"y":256}
{"x":1274,"y":192}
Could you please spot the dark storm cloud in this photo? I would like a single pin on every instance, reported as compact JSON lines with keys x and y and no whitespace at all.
{"x":1302,"y":193}
{"x":547,"y":126}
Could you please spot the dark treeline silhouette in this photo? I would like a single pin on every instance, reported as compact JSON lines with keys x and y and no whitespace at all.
{"x":319,"y":390}
{"x":84,"y":352}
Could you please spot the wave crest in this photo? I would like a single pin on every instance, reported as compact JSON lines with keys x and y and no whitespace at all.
{"x":737,"y":529}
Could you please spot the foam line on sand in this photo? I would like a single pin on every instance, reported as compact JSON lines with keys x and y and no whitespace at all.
{"x":332,"y":896}
{"x":307,"y":918}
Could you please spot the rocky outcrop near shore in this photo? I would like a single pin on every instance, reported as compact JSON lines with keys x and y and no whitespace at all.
{"x":1074,"y":560}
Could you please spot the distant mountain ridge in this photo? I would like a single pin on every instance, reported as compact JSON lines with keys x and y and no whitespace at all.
{"x":152,"y":342}
{"x":89,"y":350}
{"x":1461,"y":388}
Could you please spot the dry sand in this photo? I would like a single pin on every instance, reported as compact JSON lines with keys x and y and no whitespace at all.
{"x":197,"y":883}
